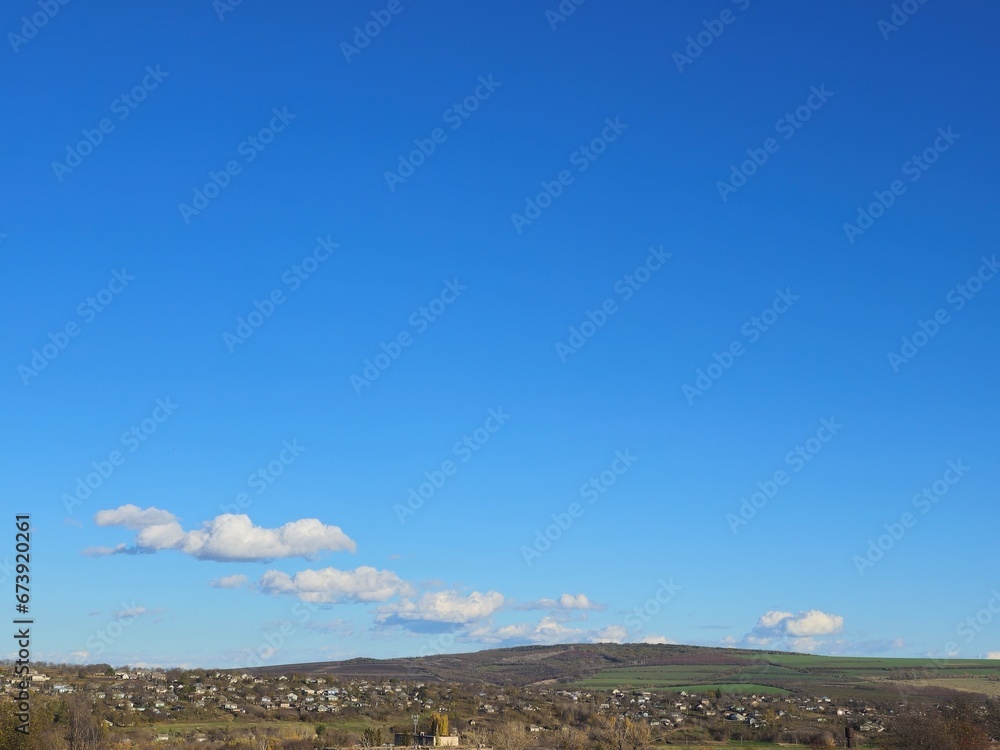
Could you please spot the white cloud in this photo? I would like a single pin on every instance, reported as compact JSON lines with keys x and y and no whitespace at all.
{"x":656,"y":639}
{"x":443,"y":606}
{"x":133,"y":517}
{"x":993,"y":655}
{"x":228,"y":537}
{"x":228,"y":582}
{"x":610,"y":634}
{"x":777,"y":624}
{"x":548,"y":630}
{"x":814,"y":622}
{"x":105,"y":551}
{"x":806,"y":644}
{"x":808,"y":631}
{"x":132,"y":611}
{"x":364,"y":584}
{"x":565,"y":602}
{"x":772,"y":619}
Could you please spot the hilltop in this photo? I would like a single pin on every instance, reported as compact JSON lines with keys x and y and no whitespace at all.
{"x":678,"y":667}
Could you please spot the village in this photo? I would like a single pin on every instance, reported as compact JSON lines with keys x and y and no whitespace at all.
{"x":137,"y":705}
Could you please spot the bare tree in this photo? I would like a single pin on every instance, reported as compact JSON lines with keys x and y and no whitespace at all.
{"x":609,"y":732}
{"x":638,"y":734}
{"x":85,"y":732}
{"x":371,"y":737}
{"x":476,"y":737}
{"x":572,"y":739}
{"x":510,"y":736}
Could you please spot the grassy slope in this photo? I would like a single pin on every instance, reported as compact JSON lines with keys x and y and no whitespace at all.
{"x":606,"y":666}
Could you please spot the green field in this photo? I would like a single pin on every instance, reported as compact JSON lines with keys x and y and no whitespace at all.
{"x":733,"y":687}
{"x":782,"y":673}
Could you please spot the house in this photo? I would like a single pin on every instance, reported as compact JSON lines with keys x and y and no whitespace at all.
{"x":425,"y":740}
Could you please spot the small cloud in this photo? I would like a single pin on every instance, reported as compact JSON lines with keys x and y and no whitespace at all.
{"x":799,"y":632}
{"x":443,"y":607}
{"x":777,"y":624}
{"x":656,"y":639}
{"x":121,"y":549}
{"x":566,"y":602}
{"x":73,"y":522}
{"x":225,"y":538}
{"x":133,"y":517}
{"x":132,"y":611}
{"x":546,"y":631}
{"x":228,"y":582}
{"x":993,"y":654}
{"x":610,"y":634}
{"x":364,"y":584}
{"x":807,"y":644}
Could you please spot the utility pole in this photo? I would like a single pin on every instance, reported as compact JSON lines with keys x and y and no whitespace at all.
{"x":416,"y":718}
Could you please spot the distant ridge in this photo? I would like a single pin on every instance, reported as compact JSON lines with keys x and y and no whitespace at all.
{"x":603,"y":666}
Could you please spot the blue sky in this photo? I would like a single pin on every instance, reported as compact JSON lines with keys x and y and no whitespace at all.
{"x":599,"y":275}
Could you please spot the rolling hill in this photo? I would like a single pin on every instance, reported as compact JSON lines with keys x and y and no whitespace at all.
{"x":673,"y":667}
